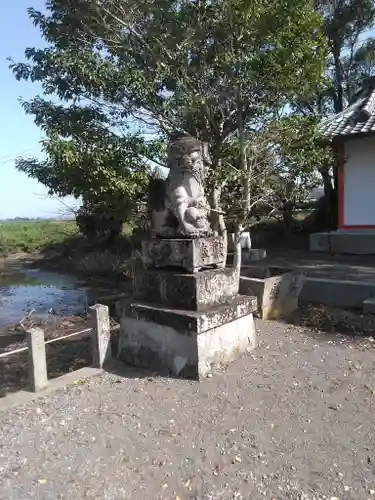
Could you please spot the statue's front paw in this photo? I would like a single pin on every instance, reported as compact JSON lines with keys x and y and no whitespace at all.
{"x":189,"y":231}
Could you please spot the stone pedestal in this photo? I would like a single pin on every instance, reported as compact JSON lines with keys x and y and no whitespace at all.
{"x":185,"y":323}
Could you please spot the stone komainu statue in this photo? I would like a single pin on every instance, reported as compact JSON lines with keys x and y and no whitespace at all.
{"x":177,"y":204}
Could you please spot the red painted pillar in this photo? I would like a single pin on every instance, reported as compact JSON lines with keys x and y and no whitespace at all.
{"x":339,"y":147}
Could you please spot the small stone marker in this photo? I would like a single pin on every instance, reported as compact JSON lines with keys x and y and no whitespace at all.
{"x":101,"y":338}
{"x":37,"y":363}
{"x":368,"y":305}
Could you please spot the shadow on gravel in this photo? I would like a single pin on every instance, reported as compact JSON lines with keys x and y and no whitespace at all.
{"x":117,"y":367}
{"x":333,"y":321}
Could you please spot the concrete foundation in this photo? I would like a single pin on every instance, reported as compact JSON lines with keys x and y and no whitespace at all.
{"x":344,"y":242}
{"x":185,"y":343}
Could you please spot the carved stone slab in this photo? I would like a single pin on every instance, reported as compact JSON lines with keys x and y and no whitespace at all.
{"x":189,"y":255}
{"x":195,"y":292}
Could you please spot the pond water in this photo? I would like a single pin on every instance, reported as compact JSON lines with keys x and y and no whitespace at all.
{"x":24,"y":289}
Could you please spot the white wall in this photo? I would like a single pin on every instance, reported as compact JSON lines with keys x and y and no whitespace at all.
{"x":359,"y":182}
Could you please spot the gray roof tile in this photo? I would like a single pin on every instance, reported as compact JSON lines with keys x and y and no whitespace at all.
{"x":358,"y":118}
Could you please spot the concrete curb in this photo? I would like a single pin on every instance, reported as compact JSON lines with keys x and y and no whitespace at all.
{"x":340,"y":293}
{"x":23,"y":397}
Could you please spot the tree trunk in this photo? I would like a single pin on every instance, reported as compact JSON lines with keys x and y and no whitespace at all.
{"x":288,"y":217}
{"x":338,"y":97}
{"x":327,"y":181}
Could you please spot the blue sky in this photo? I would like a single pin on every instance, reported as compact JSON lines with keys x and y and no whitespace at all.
{"x":19,"y":195}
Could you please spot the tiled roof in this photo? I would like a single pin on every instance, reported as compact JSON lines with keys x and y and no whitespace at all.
{"x":357,"y":118}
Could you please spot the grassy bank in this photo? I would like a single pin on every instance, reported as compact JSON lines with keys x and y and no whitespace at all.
{"x":34,"y":236}
{"x":61,"y":246}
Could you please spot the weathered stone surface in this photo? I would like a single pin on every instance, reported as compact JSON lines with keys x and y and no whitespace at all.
{"x":277,"y":289}
{"x":165,"y":349}
{"x":187,"y":291}
{"x":186,"y":254}
{"x":101,"y":338}
{"x":188,"y":322}
{"x":37,"y":362}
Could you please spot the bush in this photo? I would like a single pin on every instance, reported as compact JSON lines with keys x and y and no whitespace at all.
{"x":100,"y":222}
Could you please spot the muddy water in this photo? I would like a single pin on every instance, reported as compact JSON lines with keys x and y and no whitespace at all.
{"x":25,"y":289}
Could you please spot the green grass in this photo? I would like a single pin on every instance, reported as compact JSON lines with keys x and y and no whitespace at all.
{"x":33,"y":236}
{"x":63,"y":246}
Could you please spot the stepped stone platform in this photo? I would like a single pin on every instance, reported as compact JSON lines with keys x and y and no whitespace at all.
{"x":334,"y":280}
{"x":185,"y":323}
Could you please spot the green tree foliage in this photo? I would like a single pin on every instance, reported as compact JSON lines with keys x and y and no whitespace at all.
{"x":300,"y":150}
{"x":220,"y":70}
{"x":282,"y":171}
{"x":350,"y":54}
{"x":350,"y":58}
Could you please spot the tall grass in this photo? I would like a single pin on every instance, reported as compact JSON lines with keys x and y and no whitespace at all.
{"x":63,"y":246}
{"x":33,"y":236}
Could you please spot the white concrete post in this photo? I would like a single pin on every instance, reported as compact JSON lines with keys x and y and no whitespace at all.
{"x":101,"y":335}
{"x":37,"y":362}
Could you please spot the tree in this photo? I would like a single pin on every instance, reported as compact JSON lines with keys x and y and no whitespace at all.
{"x":219,"y":70}
{"x":349,"y":59}
{"x":282,"y":161}
{"x":107,"y":171}
{"x":344,"y":22}
{"x":300,"y":149}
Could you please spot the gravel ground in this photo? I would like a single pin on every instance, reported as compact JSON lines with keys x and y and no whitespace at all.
{"x":293,"y":420}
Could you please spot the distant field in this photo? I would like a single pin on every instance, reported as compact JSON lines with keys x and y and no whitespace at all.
{"x":32,"y":236}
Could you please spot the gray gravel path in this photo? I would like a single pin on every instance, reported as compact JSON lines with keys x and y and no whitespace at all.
{"x":294,"y":420}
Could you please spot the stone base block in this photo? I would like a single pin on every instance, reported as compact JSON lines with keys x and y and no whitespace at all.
{"x":351,"y":242}
{"x":185,"y":343}
{"x":253,"y":255}
{"x":194,"y":292}
{"x":190,"y":255}
{"x":368,"y":306}
{"x":319,"y":242}
{"x":277,"y":289}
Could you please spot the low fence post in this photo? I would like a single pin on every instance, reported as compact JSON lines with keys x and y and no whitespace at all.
{"x":101,"y":336}
{"x":37,"y":362}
